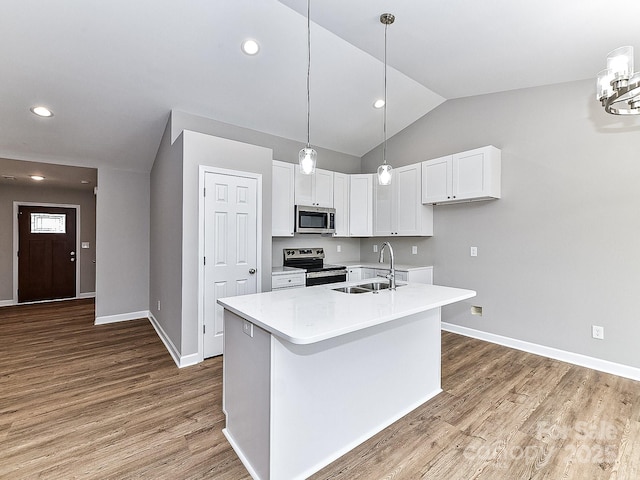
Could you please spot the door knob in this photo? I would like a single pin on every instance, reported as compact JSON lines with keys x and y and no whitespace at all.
{"x":252,"y":271}
{"x":72,"y":253}
{"x":73,"y":259}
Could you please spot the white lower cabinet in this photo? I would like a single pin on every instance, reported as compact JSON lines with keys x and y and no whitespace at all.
{"x":410,"y":275}
{"x":354,"y":274}
{"x":287,"y":280}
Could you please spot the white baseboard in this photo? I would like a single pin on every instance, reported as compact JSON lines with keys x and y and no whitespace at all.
{"x":121,"y":317}
{"x":6,"y":303}
{"x":562,"y":355}
{"x":87,"y":295}
{"x":181,"y":361}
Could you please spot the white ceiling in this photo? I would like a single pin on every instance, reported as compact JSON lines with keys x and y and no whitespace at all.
{"x":112,"y":70}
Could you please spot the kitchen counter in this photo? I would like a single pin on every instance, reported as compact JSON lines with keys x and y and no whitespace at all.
{"x":310,"y":373}
{"x":313,"y":314}
{"x":286,"y":270}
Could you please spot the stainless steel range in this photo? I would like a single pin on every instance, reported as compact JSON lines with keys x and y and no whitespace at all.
{"x":312,"y":260}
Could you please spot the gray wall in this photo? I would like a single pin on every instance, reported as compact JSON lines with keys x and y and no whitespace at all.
{"x":558,"y":253}
{"x":201,"y":149}
{"x":43,"y":194}
{"x":174,"y":209}
{"x":284,"y":149}
{"x":122,"y":242}
{"x":165,"y":279}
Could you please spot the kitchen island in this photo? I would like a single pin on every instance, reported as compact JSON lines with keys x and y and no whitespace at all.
{"x":310,"y":373}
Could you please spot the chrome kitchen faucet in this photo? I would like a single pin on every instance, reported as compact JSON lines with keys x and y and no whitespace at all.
{"x":392,"y":274}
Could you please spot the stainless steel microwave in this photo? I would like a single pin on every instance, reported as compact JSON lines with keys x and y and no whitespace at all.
{"x":315,"y":219}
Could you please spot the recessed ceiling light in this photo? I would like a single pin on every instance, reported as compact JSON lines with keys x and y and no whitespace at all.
{"x":84,"y":182}
{"x":41,"y":111}
{"x":250,"y":47}
{"x":378,"y":103}
{"x":37,"y":178}
{"x":8,"y":177}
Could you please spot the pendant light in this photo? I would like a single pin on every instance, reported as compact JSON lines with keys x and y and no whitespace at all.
{"x":385,"y":172}
{"x":307,"y":156}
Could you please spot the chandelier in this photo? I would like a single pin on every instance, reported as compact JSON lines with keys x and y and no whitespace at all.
{"x":618,"y":87}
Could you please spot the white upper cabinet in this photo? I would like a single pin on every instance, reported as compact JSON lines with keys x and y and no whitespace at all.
{"x":361,"y":205}
{"x":282,"y":213}
{"x":398,"y":209}
{"x":465,"y":176}
{"x":341,"y":203}
{"x":315,"y":189}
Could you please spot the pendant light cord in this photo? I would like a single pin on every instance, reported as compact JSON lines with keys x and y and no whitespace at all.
{"x":384,"y":123}
{"x":308,"y":72}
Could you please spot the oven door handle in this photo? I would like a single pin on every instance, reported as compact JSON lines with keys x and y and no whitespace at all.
{"x":326,"y":273}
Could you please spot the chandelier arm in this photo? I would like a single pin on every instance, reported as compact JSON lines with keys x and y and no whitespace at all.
{"x":629,"y":94}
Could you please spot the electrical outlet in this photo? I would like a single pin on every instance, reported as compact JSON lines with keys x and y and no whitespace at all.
{"x":158,"y":305}
{"x":247,"y":328}
{"x":375,"y":248}
{"x":339,"y":248}
{"x":597,"y":332}
{"x":473,"y":251}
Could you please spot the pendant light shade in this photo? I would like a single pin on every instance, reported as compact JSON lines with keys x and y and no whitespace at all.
{"x":307,"y":156}
{"x":385,"y":171}
{"x":307,"y":160}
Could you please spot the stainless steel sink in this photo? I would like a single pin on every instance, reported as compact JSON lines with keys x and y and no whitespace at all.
{"x":351,"y":290}
{"x":371,"y":287}
{"x":375,"y":286}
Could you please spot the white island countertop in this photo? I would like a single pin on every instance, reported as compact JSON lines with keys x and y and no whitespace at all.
{"x":313,"y":314}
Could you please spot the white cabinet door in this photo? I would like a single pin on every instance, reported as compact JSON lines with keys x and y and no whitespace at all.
{"x":282,"y":213}
{"x":465,"y":176}
{"x":437,"y":180}
{"x":361,"y":205}
{"x":341,"y":203}
{"x":476,"y":174}
{"x":398,"y":209}
{"x":368,"y":273}
{"x":383,"y":208}
{"x":315,"y":189}
{"x":354,"y":274}
{"x":323,"y":188}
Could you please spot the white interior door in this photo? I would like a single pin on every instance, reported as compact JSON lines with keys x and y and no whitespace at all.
{"x":230,"y":248}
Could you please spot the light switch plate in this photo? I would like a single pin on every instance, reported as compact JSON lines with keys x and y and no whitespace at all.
{"x":474,"y":251}
{"x":86,"y":245}
{"x":414,"y":250}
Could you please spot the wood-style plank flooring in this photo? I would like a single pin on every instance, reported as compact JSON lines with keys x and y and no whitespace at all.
{"x":79,"y":401}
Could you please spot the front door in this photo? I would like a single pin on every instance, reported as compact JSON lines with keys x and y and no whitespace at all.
{"x":230,"y":248}
{"x":46,"y":253}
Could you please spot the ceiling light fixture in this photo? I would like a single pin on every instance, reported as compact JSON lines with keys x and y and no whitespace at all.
{"x":41,"y":111}
{"x":619,"y":84}
{"x":308,"y":156}
{"x":37,"y":178}
{"x":378,"y":103}
{"x":250,"y":47}
{"x":385,"y":172}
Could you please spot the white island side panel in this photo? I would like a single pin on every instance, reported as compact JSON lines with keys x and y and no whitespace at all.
{"x":329,"y":397}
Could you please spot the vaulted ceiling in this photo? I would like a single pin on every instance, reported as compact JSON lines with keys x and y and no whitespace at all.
{"x":111,"y":71}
